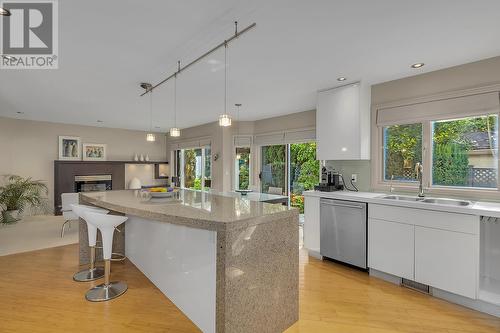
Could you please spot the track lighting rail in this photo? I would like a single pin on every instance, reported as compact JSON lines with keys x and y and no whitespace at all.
{"x":224,"y":43}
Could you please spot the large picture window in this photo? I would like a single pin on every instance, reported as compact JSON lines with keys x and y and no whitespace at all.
{"x":465,"y":152}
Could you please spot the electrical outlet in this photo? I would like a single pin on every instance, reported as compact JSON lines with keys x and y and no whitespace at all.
{"x":354,"y":177}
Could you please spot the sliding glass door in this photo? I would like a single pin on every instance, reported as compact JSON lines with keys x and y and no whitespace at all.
{"x":193,"y":168}
{"x":303,"y":172}
{"x":242,"y":168}
{"x":289,"y":170}
{"x":273,"y":169}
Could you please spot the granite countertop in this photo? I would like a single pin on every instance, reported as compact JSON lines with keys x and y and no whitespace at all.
{"x":191,"y":208}
{"x":475,"y":208}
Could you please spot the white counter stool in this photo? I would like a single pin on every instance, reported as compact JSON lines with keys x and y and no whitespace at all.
{"x":93,"y":272}
{"x":106,"y":225}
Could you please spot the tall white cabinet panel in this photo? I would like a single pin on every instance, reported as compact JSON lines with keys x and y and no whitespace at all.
{"x":447,"y":260}
{"x":343,"y":123}
{"x":391,"y":247}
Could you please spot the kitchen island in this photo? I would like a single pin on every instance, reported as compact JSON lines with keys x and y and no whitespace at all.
{"x":229,"y":263}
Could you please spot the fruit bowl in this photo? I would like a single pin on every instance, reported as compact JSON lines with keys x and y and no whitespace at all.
{"x":162,"y":192}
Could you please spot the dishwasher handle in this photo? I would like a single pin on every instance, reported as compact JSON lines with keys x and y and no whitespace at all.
{"x":346,"y":204}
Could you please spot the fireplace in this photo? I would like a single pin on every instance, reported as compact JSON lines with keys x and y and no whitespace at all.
{"x":93,"y":183}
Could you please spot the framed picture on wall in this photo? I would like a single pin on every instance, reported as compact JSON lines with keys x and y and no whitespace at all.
{"x":70,"y":148}
{"x":94,"y":152}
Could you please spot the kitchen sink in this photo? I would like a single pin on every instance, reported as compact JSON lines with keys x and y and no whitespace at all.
{"x":402,"y":198}
{"x":436,"y":201}
{"x":449,"y":202}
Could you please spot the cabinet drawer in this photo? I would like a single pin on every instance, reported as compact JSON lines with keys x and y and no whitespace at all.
{"x":426,"y":218}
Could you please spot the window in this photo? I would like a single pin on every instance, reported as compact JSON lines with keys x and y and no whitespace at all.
{"x":242,"y":168}
{"x":465,"y":152}
{"x":402,"y":149}
{"x":193,"y":168}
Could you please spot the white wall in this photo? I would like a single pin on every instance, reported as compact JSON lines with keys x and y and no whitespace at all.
{"x":29,"y":148}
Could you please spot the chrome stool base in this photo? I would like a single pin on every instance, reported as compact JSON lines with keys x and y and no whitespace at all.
{"x":116,"y":256}
{"x":89,"y":274}
{"x":105,"y":292}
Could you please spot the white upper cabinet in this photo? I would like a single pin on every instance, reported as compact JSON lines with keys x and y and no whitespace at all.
{"x":343,"y":123}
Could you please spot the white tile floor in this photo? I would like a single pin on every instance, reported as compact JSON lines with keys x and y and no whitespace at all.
{"x":35,"y":233}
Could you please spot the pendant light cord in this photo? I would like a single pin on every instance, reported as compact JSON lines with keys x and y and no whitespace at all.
{"x":175,"y":100}
{"x":238,"y":120}
{"x":225,"y":77}
{"x":151,"y":111}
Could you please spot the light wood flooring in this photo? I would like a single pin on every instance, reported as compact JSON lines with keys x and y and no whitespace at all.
{"x":37,"y":294}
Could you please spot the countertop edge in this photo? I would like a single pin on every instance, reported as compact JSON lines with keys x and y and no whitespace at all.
{"x":477,"y":208}
{"x":193,"y":222}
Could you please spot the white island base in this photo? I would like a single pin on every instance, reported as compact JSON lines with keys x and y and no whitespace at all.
{"x":180,"y":261}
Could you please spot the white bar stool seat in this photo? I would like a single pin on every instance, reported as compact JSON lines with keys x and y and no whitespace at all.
{"x":93,"y":272}
{"x":106,"y":225}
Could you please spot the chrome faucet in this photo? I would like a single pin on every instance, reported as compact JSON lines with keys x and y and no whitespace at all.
{"x":419,"y":170}
{"x":391,"y":189}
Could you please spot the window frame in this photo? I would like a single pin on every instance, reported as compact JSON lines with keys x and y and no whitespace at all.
{"x":377,"y":147}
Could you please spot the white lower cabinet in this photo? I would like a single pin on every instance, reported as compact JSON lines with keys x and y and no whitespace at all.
{"x":391,"y":247}
{"x":435,"y":248}
{"x":446,"y":260}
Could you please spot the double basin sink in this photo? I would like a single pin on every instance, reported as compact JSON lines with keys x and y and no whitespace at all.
{"x":435,"y":201}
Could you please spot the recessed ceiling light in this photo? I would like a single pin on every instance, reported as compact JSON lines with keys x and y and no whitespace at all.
{"x":417,"y":65}
{"x":4,"y":12}
{"x":341,"y":78}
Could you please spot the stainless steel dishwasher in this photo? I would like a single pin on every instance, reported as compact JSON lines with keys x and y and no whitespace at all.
{"x":343,"y":233}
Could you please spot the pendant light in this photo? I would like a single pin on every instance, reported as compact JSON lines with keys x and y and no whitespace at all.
{"x":175,"y":131}
{"x":225,"y":119}
{"x":148,"y":87}
{"x":238,"y":155}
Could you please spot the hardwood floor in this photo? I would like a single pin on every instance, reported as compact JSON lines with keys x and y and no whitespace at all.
{"x":38,"y":295}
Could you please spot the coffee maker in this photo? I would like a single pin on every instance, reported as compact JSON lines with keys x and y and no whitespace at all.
{"x":330,"y":181}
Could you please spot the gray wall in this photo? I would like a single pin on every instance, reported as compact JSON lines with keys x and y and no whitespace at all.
{"x":347,"y":168}
{"x":222,"y":141}
{"x":470,"y":75}
{"x":29,"y":148}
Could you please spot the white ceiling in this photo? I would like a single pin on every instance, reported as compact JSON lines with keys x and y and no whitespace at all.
{"x":298,"y":47}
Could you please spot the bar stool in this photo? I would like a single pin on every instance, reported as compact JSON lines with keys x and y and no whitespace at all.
{"x":93,"y":272}
{"x":106,"y":225}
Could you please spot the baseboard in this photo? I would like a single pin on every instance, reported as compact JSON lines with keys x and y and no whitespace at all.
{"x":315,"y":254}
{"x":385,"y":276}
{"x":474,"y":304}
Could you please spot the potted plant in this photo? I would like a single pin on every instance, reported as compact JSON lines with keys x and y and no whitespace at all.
{"x":18,"y":193}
